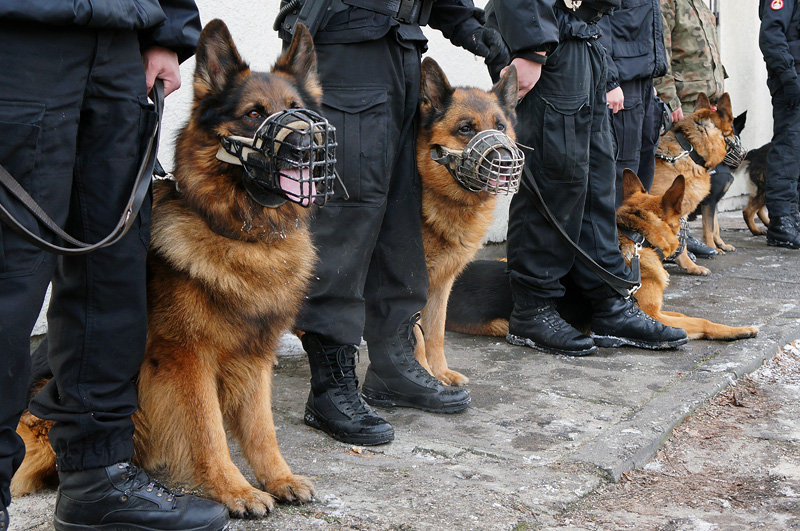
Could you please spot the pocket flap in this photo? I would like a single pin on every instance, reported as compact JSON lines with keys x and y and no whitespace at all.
{"x":353,"y":99}
{"x":565,"y":104}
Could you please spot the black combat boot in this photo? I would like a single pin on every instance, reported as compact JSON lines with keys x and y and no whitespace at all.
{"x":783,"y":232}
{"x":618,"y":321}
{"x":796,"y":219}
{"x":122,"y":496}
{"x":540,"y":326}
{"x":698,"y":248}
{"x":334,"y":405}
{"x":395,"y":377}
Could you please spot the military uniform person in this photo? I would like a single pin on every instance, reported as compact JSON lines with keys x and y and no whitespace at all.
{"x":563,"y":116}
{"x":779,"y":40}
{"x":693,"y":66}
{"x":371,"y":275}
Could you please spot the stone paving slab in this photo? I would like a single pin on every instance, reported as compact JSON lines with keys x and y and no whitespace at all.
{"x":542,"y":432}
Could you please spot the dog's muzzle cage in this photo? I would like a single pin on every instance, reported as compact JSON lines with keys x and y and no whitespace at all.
{"x":292,"y":155}
{"x":490,"y":162}
{"x":734,"y":152}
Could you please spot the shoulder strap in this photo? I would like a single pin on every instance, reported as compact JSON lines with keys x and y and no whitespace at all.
{"x":137,"y":197}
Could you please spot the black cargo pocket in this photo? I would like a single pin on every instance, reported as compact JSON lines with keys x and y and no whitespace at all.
{"x":147,"y":120}
{"x":629,"y":134}
{"x":567,"y":124}
{"x":20,"y":124}
{"x":360,"y":115}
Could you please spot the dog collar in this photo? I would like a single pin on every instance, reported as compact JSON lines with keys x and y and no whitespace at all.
{"x":641,"y":242}
{"x":687,"y":151}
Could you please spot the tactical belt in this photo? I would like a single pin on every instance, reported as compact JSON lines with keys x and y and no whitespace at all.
{"x":137,"y":197}
{"x":622,"y":286}
{"x":583,"y":12}
{"x":405,"y":11}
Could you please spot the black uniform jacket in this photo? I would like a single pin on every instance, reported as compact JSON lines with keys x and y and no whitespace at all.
{"x":451,"y":17}
{"x":173,"y":24}
{"x":634,"y":39}
{"x":530,"y":26}
{"x":779,"y":38}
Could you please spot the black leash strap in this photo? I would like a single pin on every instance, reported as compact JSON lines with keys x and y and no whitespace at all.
{"x":137,"y":197}
{"x":623,"y":286}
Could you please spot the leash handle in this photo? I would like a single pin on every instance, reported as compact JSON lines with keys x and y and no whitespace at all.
{"x":128,"y":217}
{"x":622,"y":286}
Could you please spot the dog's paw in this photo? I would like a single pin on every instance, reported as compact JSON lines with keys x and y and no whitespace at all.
{"x":292,"y":488}
{"x":697,"y":270}
{"x":247,"y":502}
{"x":747,"y":331}
{"x":726,"y":247}
{"x":451,"y":377}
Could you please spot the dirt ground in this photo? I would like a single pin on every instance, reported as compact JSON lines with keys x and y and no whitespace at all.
{"x":733,"y":464}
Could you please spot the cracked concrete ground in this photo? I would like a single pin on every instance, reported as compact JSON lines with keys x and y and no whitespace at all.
{"x":543,"y":431}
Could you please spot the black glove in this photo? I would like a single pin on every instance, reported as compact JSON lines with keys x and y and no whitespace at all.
{"x":487,"y":43}
{"x":791,"y":92}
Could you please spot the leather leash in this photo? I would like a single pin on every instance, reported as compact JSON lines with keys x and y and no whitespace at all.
{"x":137,"y":197}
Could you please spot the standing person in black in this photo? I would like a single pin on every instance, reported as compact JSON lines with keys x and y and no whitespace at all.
{"x":371,"y":274}
{"x":634,"y":39}
{"x":563,"y":115}
{"x":779,"y":40}
{"x":74,"y":114}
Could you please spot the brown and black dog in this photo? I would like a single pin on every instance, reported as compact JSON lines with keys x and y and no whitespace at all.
{"x":756,"y":160}
{"x":226,"y":277}
{"x":480,"y":302}
{"x":454,"y":220}
{"x":705,"y":129}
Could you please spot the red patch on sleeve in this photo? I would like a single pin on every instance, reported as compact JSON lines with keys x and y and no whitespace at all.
{"x":776,"y":5}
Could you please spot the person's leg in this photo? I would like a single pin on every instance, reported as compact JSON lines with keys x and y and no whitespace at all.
{"x":39,"y":115}
{"x":628,"y":126}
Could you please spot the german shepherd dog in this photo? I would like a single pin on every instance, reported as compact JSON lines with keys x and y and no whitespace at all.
{"x":756,"y":205}
{"x":454,"y":220}
{"x":706,"y":130}
{"x":481,"y":302}
{"x":226,"y":276}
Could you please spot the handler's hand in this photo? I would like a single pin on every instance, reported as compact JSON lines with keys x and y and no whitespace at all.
{"x":615,"y":99}
{"x":528,"y":74}
{"x":677,"y":114}
{"x":161,"y":63}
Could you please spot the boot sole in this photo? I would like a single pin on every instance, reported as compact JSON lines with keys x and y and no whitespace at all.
{"x":781,"y":243}
{"x":388,"y":401}
{"x":615,"y":342}
{"x":527,"y":342}
{"x":311,"y":419}
{"x":220,"y":524}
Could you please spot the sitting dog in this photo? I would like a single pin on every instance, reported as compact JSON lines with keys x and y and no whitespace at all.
{"x":456,"y":215}
{"x":480,"y":301}
{"x":228,"y":266}
{"x":693,"y":147}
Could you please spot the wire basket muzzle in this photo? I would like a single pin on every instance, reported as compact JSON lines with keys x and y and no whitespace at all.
{"x":734,"y":152}
{"x":491,"y":162}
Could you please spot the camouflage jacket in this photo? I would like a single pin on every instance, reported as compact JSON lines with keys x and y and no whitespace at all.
{"x":692,"y":44}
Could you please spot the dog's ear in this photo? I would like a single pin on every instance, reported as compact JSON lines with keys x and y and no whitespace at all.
{"x":724,"y":105}
{"x":672,"y":198}
{"x":217,"y":60}
{"x":739,"y":122}
{"x":435,"y":89}
{"x":631,"y":184}
{"x":507,"y":89}
{"x":300,"y":62}
{"x":702,"y":102}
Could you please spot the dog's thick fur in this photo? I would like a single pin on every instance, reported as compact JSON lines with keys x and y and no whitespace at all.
{"x":480,"y":301}
{"x":454,"y":220}
{"x":226,"y":277}
{"x":706,"y":130}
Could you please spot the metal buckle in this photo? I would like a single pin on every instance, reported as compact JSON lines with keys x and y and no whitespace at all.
{"x":573,"y":4}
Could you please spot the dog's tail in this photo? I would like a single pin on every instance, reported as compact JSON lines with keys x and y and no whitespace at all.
{"x":480,"y":301}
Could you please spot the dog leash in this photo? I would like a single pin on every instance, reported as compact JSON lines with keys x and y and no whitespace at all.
{"x":622,"y":286}
{"x":137,"y":197}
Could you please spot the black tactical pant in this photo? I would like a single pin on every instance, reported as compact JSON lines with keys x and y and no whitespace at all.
{"x":783,"y":160}
{"x":636,"y":129}
{"x":72,"y":113}
{"x":371,"y":273}
{"x":565,"y":119}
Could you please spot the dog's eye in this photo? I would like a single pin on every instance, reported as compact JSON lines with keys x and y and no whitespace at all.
{"x":501,"y":127}
{"x":465,"y":129}
{"x":254,"y":114}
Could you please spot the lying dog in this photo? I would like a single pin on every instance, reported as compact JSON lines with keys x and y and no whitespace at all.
{"x":226,"y":276}
{"x":705,"y":132}
{"x":455,"y":218}
{"x":480,"y":301}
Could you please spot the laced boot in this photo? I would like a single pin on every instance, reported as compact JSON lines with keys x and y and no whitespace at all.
{"x":539,"y":326}
{"x":334,"y":405}
{"x":698,"y":248}
{"x":395,"y":377}
{"x":122,"y":496}
{"x":783,"y":232}
{"x":618,"y":321}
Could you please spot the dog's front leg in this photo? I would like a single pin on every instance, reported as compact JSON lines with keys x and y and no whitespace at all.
{"x":434,"y":316}
{"x":252,"y":423}
{"x":718,"y":237}
{"x":685,"y":263}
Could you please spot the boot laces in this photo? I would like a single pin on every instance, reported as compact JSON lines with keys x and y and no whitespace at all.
{"x":137,"y":480}
{"x":344,"y":374}
{"x":413,"y":367}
